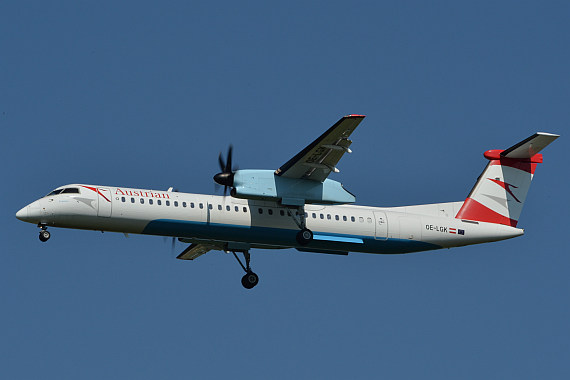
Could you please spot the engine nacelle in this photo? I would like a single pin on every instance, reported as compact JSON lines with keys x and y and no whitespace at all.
{"x":265,"y":185}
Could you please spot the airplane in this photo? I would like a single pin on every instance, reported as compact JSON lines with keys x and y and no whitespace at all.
{"x":298,"y":206}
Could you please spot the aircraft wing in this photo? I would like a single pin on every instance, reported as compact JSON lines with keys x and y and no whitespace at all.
{"x":195,"y":250}
{"x":317,"y":160}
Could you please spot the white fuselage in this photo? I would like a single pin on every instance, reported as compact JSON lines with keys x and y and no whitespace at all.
{"x":261,"y":224}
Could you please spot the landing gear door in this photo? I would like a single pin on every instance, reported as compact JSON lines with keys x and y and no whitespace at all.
{"x":381,"y":222}
{"x":104,"y":200}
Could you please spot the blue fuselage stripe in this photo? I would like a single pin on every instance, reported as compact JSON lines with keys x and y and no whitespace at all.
{"x":343,"y":239}
{"x":281,"y":237}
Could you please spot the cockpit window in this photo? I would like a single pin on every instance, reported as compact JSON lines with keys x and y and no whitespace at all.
{"x":67,"y":190}
{"x":70,"y":190}
{"x":55,"y":192}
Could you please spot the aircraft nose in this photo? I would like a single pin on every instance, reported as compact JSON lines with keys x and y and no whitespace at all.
{"x":23,"y":213}
{"x":32,"y":213}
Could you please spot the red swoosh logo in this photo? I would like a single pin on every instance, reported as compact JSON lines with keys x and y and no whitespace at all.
{"x":506,"y":186}
{"x":97,"y":191}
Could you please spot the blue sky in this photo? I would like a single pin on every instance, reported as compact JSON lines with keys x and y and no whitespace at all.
{"x":143,"y":94}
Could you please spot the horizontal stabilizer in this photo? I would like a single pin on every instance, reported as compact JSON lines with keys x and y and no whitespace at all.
{"x":530,"y":146}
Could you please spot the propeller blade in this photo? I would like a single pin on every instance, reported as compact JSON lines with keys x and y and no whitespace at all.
{"x":221,"y":162}
{"x":228,"y":168}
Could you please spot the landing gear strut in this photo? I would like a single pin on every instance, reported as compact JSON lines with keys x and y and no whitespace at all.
{"x":250,"y":279}
{"x":44,"y":233}
{"x":304,"y":236}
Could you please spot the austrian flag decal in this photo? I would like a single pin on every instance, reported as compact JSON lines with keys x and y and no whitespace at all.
{"x":456,"y":231}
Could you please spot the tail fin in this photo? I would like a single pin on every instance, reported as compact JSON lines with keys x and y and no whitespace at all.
{"x":500,"y":191}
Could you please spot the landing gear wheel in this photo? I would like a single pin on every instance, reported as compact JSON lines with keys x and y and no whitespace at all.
{"x":304,"y":236}
{"x":249,"y":280}
{"x":44,"y":235}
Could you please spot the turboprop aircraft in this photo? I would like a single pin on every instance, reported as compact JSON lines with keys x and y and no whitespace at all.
{"x":298,"y":206}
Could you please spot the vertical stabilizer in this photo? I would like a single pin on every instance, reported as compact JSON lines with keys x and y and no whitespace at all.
{"x":500,"y":191}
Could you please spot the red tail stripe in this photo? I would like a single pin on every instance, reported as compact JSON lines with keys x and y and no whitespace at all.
{"x":528,"y":167}
{"x":473,"y":210}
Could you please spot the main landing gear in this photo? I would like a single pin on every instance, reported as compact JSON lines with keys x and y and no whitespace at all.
{"x":304,"y":236}
{"x":250,"y":279}
{"x":44,"y":233}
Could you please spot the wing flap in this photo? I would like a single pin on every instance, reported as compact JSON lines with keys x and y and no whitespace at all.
{"x":320,"y":158}
{"x":195,"y":250}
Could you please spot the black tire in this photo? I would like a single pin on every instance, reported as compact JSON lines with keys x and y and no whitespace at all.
{"x":249,"y":280}
{"x":304,"y":236}
{"x":44,"y":235}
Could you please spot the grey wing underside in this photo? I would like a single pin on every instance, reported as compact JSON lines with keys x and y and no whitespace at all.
{"x":320,"y":158}
{"x":196,"y":250}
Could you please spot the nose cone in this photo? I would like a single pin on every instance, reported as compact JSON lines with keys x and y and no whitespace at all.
{"x":22,"y":214}
{"x":32,"y":213}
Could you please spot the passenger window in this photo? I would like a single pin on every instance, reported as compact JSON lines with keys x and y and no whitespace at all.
{"x":201,"y":205}
{"x":314,"y":216}
{"x":322,"y":216}
{"x":361,"y":219}
{"x":352,"y":219}
{"x":227,"y":208}
{"x":183,"y":204}
{"x":150,"y":201}
{"x":328,"y":216}
{"x":236,"y":208}
{"x":159,"y":202}
{"x":336,"y":217}
{"x":175,"y":203}
{"x":245,"y":209}
{"x":142,"y":201}
{"x":369,"y":220}
{"x":270,"y":211}
{"x":123,"y":199}
{"x":167,"y":203}
{"x":344,"y":218}
{"x":220,"y":207}
{"x":191,"y":204}
{"x":260,"y":210}
{"x":282,"y":212}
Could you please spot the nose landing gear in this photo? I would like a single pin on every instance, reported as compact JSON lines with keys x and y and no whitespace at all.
{"x":44,"y":233}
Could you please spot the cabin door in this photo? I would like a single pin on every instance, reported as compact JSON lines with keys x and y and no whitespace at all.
{"x":105,"y":205}
{"x":381,"y":222}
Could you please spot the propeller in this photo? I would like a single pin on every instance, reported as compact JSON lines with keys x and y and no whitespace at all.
{"x":226,"y":176}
